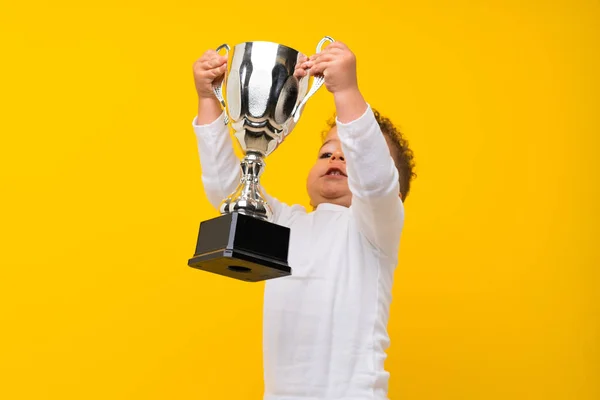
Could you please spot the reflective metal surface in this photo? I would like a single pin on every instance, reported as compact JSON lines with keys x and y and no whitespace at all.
{"x":263,"y":101}
{"x":219,"y":89}
{"x":248,"y":198}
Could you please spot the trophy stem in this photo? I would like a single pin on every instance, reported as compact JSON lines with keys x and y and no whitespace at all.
{"x":248,"y":197}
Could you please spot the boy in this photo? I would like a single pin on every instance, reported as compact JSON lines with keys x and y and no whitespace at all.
{"x":324,"y":329}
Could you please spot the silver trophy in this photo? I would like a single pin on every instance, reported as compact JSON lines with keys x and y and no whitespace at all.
{"x":263,"y":102}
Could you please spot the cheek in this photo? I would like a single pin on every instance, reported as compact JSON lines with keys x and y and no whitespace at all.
{"x":314,"y":174}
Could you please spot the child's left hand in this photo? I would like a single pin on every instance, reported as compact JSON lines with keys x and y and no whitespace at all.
{"x":337,"y":64}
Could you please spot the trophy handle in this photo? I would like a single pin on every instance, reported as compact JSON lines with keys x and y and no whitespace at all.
{"x":317,"y":82}
{"x":218,"y":89}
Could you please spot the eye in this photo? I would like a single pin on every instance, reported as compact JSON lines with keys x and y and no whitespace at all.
{"x":325,"y":155}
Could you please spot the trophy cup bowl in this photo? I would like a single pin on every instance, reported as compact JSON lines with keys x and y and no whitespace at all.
{"x":264,"y":101}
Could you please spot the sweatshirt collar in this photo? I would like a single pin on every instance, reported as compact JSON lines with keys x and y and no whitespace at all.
{"x":331,"y":207}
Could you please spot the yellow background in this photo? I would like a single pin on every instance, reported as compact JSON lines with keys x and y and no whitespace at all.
{"x":496,"y":295}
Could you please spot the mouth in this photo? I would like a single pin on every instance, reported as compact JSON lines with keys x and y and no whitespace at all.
{"x":335,"y":172}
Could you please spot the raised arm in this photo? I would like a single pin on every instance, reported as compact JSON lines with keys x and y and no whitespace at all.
{"x":373,"y":181}
{"x":220,"y":166}
{"x":372,"y":175}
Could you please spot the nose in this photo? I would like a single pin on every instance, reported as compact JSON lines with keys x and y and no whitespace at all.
{"x":338,"y":155}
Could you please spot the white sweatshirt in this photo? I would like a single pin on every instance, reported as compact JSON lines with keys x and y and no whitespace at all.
{"x":324,"y":329}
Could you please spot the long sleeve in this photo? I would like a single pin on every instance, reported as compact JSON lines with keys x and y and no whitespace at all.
{"x":221,"y":167}
{"x":373,"y":181}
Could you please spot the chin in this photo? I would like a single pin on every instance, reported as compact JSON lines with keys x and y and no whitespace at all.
{"x":344,"y":200}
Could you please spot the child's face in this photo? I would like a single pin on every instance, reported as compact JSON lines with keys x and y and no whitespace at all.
{"x":327,"y":181}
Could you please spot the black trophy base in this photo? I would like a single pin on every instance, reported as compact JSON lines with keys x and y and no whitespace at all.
{"x":242,"y":247}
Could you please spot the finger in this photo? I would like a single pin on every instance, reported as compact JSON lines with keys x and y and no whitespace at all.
{"x":336,"y":45}
{"x":326,"y":54}
{"x":318,"y":63}
{"x":210,"y":65}
{"x":299,"y":73}
{"x":307,"y":64}
{"x":325,"y":57}
{"x":208,"y":55}
{"x":211,"y":73}
{"x":197,"y":65}
{"x":207,"y":61}
{"x":302,"y":58}
{"x":220,"y":70}
{"x":318,"y":69}
{"x":217,"y":62}
{"x":300,"y":67}
{"x":215,"y":73}
{"x":332,"y":50}
{"x":330,"y":47}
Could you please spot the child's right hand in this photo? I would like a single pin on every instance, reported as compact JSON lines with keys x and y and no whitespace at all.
{"x":209,"y":70}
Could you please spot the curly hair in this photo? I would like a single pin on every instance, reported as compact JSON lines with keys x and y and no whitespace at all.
{"x":402,"y":155}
